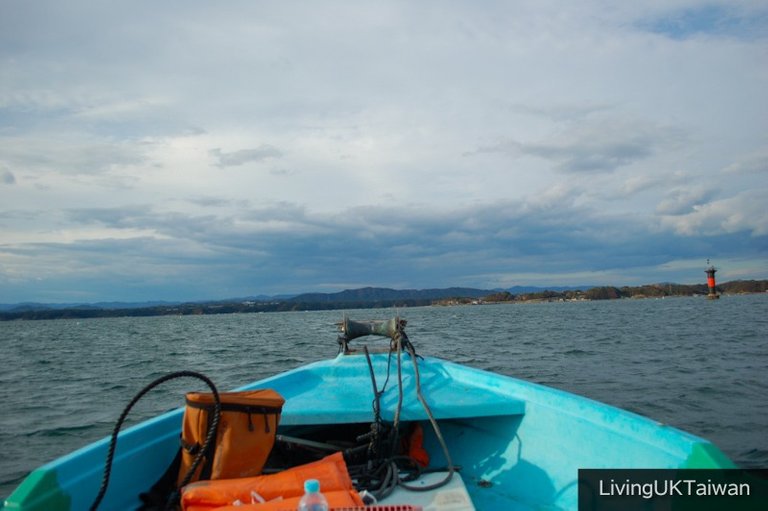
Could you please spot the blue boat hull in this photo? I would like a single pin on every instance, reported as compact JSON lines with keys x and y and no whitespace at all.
{"x":519,"y":444}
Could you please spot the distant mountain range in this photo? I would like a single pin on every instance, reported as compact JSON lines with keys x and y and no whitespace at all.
{"x":380,"y":294}
{"x":376,"y":294}
{"x":365,"y":294}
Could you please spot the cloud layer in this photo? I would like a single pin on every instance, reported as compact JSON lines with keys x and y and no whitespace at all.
{"x":149,"y":151}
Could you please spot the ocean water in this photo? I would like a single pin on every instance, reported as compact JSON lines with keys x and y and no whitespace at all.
{"x":699,"y":365}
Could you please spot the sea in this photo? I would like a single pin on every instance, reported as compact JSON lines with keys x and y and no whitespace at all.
{"x":696,"y":364}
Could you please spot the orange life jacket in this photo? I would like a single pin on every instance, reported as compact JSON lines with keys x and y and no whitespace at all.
{"x":244,"y":438}
{"x":339,"y":499}
{"x":330,"y":471}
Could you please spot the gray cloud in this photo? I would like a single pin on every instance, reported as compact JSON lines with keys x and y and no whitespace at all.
{"x":237,"y":158}
{"x":750,"y":164}
{"x":117,"y":217}
{"x":563,"y":112}
{"x":579,"y":157}
{"x":71,"y":154}
{"x":680,"y":201}
{"x":743,"y":213}
{"x":595,"y":144}
{"x":595,"y":156}
{"x":7,"y":177}
{"x":422,"y":247}
{"x":262,"y":249}
{"x":216,"y":202}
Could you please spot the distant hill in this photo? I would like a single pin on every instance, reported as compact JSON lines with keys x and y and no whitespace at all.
{"x":515,"y":290}
{"x":380,"y":294}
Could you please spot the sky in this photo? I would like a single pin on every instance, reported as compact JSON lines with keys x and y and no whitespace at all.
{"x":193,"y":150}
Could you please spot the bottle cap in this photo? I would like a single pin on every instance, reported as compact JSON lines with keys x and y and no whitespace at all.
{"x":311,"y":486}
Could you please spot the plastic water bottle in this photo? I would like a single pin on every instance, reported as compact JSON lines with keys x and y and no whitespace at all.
{"x":312,"y":500}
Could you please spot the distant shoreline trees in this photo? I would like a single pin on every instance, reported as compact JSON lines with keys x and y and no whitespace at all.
{"x":645,"y":291}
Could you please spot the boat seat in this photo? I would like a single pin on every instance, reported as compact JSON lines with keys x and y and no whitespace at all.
{"x":311,"y":399}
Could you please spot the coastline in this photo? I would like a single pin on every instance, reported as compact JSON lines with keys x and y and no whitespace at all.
{"x":372,"y":298}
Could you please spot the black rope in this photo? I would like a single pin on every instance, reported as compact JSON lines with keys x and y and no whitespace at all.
{"x":382,"y":478}
{"x":381,"y":474}
{"x":376,"y":393}
{"x":377,"y":426}
{"x":435,"y":427}
{"x":198,"y":459}
{"x":399,"y":408}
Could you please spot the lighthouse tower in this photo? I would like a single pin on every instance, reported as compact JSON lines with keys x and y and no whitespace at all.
{"x":710,"y":271}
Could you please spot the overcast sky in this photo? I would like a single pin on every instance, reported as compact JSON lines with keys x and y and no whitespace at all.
{"x":184,"y":150}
